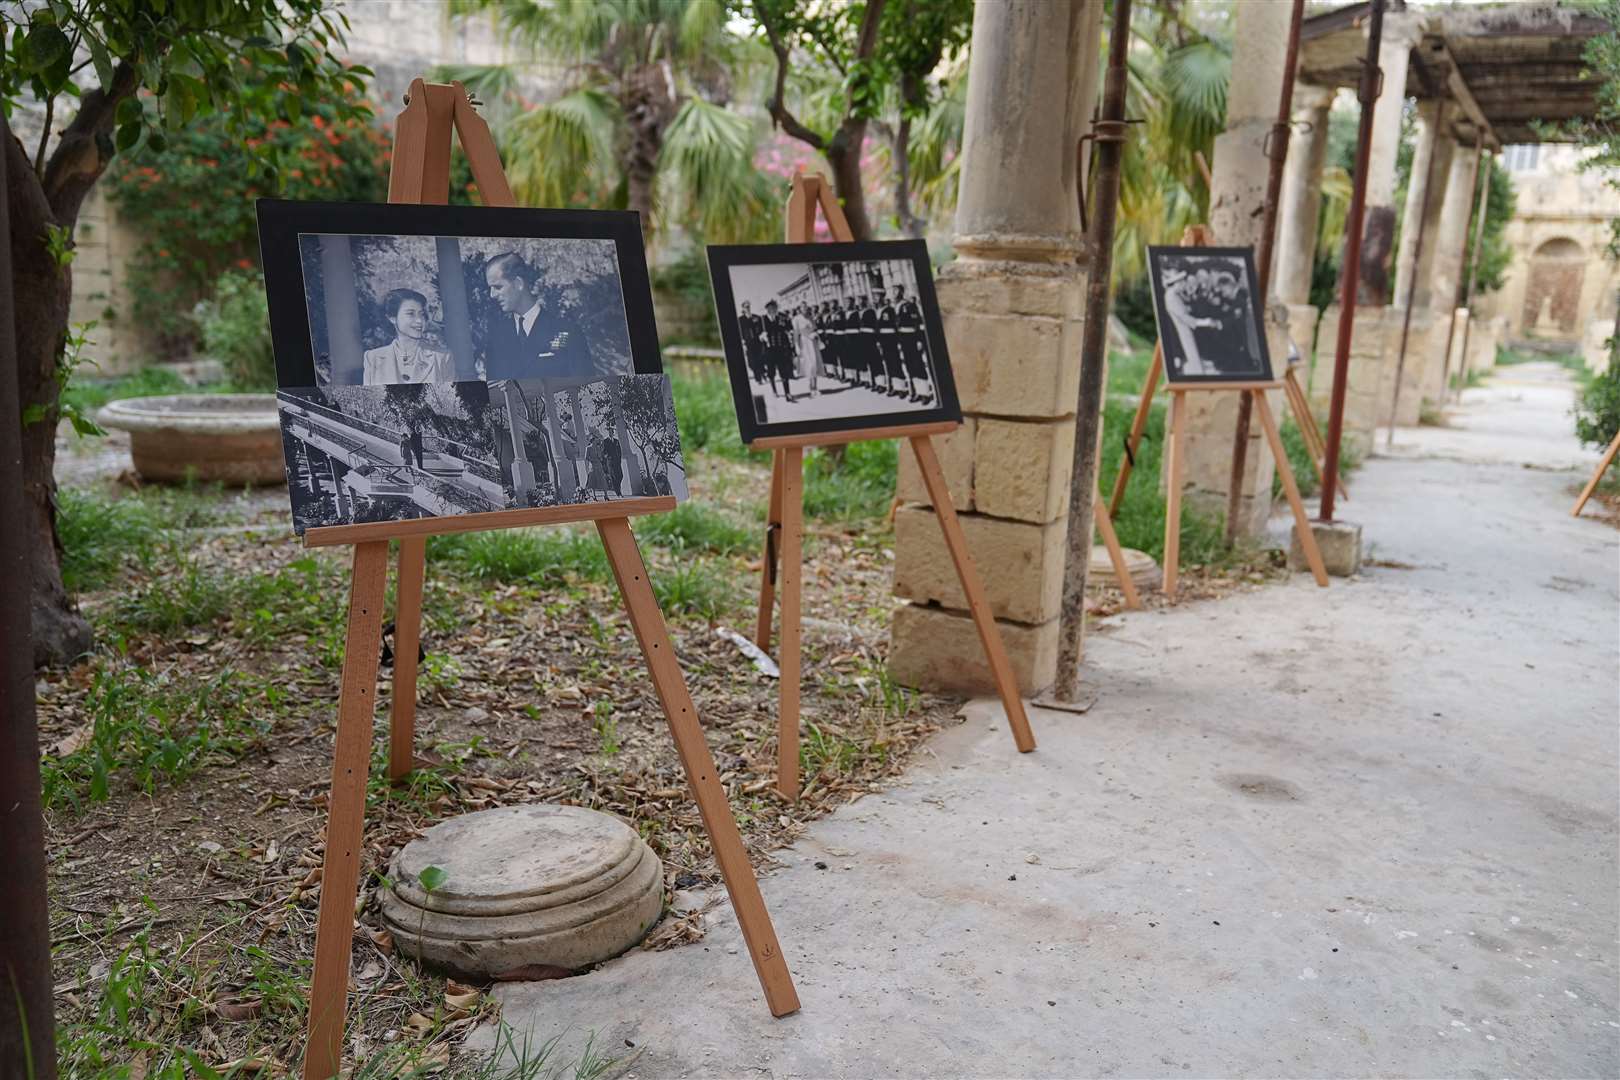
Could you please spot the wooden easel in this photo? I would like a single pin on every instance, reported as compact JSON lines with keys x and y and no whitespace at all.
{"x":786,"y":521}
{"x":421,"y":174}
{"x":1603,"y":467}
{"x":1301,"y":405}
{"x":1175,"y":446}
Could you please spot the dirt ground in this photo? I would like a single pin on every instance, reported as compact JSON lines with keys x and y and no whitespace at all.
{"x":185,"y":895}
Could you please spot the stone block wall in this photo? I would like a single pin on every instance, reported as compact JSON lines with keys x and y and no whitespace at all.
{"x":1014,"y":335}
{"x":1368,"y":385}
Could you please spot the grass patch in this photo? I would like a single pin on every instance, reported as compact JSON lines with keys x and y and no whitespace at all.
{"x":704,"y":587}
{"x":707,"y":415}
{"x":303,"y":597}
{"x":104,"y":537}
{"x":152,"y":729}
{"x":858,"y":488}
{"x":91,"y":394}
{"x":1127,"y":371}
{"x":691,"y":526}
{"x":533,"y":556}
{"x":1140,"y":522}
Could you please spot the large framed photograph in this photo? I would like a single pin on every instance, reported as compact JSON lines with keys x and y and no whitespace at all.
{"x":451,"y":360}
{"x":1207,"y":306}
{"x":823,"y":338}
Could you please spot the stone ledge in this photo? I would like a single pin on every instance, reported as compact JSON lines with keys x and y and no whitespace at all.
{"x":935,"y":648}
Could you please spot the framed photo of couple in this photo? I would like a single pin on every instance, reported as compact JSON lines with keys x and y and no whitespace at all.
{"x":436,"y":360}
{"x":831,"y":337}
{"x":1207,"y":307}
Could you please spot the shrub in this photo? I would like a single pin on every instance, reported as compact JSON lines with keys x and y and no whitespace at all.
{"x":235,"y":324}
{"x":192,"y":200}
{"x":1597,"y":410}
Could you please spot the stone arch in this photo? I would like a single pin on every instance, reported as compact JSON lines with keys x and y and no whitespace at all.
{"x":1552,"y":298}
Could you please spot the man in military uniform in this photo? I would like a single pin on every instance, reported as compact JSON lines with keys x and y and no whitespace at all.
{"x":833,"y":321}
{"x":888,"y":339}
{"x":849,"y":333}
{"x":871,"y":358}
{"x":913,"y":344}
{"x":753,"y":341}
{"x":777,"y":331}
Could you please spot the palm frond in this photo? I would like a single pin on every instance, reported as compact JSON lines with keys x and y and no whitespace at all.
{"x":706,"y":176}
{"x":562,"y":153}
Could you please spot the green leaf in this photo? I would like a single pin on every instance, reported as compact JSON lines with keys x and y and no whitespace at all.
{"x":98,"y":56}
{"x":45,"y":47}
{"x":129,"y":111}
{"x":432,"y":877}
{"x":128,"y":136}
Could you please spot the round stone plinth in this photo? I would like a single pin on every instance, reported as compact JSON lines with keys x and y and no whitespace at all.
{"x":231,"y":438}
{"x":560,"y":886}
{"x":1144,"y":571}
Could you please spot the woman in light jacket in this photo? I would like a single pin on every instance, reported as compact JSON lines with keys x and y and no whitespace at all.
{"x":407,"y":359}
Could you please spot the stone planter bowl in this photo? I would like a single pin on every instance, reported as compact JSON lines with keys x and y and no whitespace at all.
{"x":225,"y":438}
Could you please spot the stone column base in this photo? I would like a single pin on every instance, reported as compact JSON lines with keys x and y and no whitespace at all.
{"x":1339,"y":542}
{"x":938,"y":648}
{"x":1366,"y":387}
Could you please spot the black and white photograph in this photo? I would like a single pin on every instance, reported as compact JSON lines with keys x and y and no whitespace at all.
{"x":830,"y":337}
{"x":396,"y":451}
{"x":1208,"y":313}
{"x":369,"y":295}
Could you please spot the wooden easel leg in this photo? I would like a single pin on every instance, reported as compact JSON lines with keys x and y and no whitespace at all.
{"x":1302,"y":522}
{"x":407,"y":642}
{"x":1314,"y":445}
{"x":1174,"y":449}
{"x":346,"y":812}
{"x":1105,"y":525}
{"x":769,"y":562}
{"x":989,"y":634}
{"x":787,"y":720}
{"x":1138,"y":426}
{"x":729,"y":853}
{"x":1603,"y":467}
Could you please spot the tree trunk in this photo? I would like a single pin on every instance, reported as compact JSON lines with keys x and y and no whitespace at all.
{"x":42,"y":290}
{"x":844,"y":155}
{"x":900,"y":151}
{"x":647,"y":108}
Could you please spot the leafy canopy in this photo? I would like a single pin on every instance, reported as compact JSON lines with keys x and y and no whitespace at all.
{"x":240,"y":59}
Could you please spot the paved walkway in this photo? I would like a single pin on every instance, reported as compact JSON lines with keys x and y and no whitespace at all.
{"x":1366,"y":831}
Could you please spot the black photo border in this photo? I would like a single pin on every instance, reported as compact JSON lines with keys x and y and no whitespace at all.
{"x":723,"y":257}
{"x":282,"y":220}
{"x":1246,"y":254}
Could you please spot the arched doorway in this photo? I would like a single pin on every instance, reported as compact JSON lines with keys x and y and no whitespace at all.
{"x":1552,"y":298}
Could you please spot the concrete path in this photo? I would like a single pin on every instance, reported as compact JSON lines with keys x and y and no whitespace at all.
{"x":1363,"y":831}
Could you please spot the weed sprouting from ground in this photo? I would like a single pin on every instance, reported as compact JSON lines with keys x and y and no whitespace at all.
{"x":858,"y":488}
{"x":703,"y":587}
{"x":704,"y":410}
{"x":152,"y":729}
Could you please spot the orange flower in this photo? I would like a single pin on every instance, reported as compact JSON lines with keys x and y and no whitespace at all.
{"x":245,"y":264}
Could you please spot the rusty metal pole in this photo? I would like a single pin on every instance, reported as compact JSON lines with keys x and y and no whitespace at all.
{"x":1276,"y":150}
{"x":1456,"y":293}
{"x":1367,"y":93}
{"x":1411,"y":286}
{"x":1488,"y":165}
{"x":27,"y":1004}
{"x":1109,"y":132}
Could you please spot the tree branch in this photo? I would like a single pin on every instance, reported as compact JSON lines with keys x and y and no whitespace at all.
{"x":780,"y":114}
{"x":866,"y":44}
{"x":78,"y":162}
{"x":44,"y":135}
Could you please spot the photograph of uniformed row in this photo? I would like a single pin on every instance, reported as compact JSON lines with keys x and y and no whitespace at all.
{"x":1208,"y":314}
{"x":824,"y":342}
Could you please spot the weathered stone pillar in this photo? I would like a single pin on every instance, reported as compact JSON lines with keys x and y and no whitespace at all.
{"x":1450,"y":242}
{"x":1416,"y":268}
{"x":1013,"y":302}
{"x":1301,"y":202}
{"x":1236,"y":203}
{"x":1417,"y":185}
{"x":1400,"y":33}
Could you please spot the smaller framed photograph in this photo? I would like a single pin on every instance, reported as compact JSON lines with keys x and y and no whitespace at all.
{"x":1207,"y":306}
{"x":823,"y":338}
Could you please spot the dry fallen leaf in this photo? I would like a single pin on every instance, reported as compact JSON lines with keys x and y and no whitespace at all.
{"x":245,"y":1009}
{"x":73,"y":740}
{"x":419,"y":1024}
